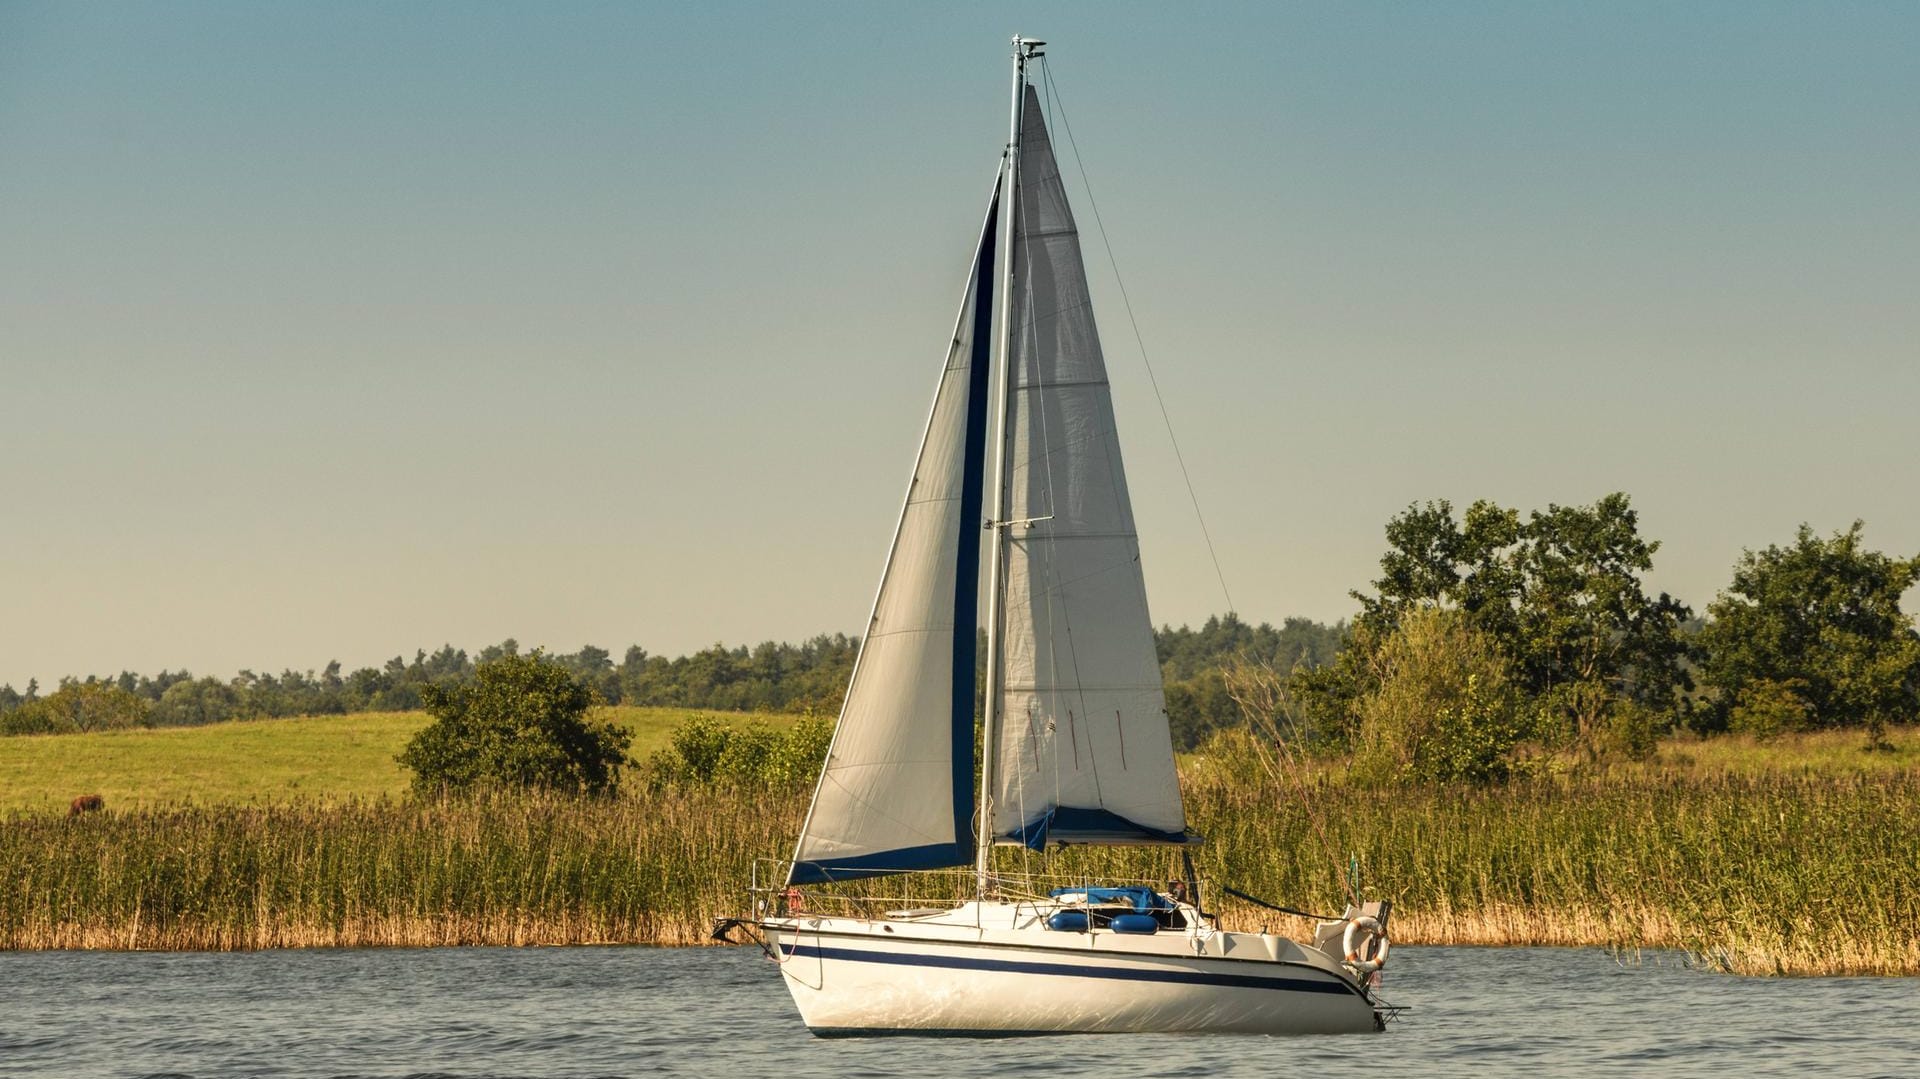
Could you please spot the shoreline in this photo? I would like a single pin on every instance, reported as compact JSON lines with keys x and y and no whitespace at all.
{"x":1501,"y":927}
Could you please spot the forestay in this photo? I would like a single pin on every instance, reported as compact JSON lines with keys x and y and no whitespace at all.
{"x":1083,"y":753}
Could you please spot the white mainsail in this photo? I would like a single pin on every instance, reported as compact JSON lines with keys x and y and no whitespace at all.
{"x":896,"y":792}
{"x":1083,"y":752}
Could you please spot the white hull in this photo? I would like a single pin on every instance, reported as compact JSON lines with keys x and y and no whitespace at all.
{"x":954,"y":973}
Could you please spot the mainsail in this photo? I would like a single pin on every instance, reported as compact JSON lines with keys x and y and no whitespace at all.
{"x":1083,"y":753}
{"x":896,"y":792}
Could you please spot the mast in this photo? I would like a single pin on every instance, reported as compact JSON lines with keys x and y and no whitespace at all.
{"x":1024,"y":49}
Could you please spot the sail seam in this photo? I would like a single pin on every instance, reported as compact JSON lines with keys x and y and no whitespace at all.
{"x":1047,"y":452}
{"x":1050,"y":535}
{"x":1036,"y":319}
{"x":1061,"y":385}
{"x":1052,"y":687}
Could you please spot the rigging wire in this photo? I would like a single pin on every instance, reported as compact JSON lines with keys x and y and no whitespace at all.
{"x":1056,"y":102}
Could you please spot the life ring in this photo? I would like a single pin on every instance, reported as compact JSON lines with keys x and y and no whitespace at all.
{"x":1373,"y":958}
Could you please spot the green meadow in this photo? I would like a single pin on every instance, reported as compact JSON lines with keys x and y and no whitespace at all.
{"x":323,"y":759}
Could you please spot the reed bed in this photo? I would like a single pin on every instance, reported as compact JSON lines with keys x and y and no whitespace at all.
{"x":1752,"y":874}
{"x":1766,"y":874}
{"x":508,"y":871}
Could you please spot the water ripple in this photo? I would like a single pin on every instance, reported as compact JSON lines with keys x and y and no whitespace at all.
{"x":584,"y":1013}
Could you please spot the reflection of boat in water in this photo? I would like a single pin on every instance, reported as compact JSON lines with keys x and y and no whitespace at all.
{"x":1019,"y":476}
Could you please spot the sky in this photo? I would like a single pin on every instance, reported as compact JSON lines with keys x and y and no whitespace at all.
{"x":334,"y":331}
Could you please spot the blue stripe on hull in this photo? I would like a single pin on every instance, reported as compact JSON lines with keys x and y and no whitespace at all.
{"x":934,"y":1032}
{"x":1015,"y":966}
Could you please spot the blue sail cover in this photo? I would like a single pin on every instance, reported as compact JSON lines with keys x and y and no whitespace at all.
{"x":1144,"y":899}
{"x":1069,"y":825}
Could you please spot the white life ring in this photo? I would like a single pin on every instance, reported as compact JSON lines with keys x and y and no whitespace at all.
{"x":1361,"y":954}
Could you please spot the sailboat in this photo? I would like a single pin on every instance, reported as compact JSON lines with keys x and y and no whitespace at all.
{"x":1019,"y":479}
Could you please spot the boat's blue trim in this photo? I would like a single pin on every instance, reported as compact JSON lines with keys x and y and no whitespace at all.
{"x":1073,"y":824}
{"x":880,"y":863}
{"x":966,"y":580}
{"x":1067,"y":970}
{"x":927,"y":1032}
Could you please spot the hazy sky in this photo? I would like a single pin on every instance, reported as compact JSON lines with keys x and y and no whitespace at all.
{"x":334,"y":330}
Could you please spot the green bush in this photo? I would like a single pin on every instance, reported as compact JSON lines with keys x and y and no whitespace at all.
{"x":706,"y":752}
{"x":1767,"y":709}
{"x":521,"y":722}
{"x":1444,"y":706}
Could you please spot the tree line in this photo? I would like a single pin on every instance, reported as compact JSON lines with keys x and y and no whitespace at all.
{"x":809,"y":677}
{"x":1489,"y":634}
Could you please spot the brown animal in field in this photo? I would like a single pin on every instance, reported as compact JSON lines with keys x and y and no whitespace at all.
{"x":86,"y":803}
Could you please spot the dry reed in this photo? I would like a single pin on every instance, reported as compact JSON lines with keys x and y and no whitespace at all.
{"x":1774,"y":874}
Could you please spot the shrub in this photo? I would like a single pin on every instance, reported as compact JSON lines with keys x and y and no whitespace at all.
{"x":1767,"y":709}
{"x":521,"y":722}
{"x":1444,"y":707}
{"x":797,"y":757}
{"x":706,"y":752}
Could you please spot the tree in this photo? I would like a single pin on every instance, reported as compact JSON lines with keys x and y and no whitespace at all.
{"x":1813,"y":634}
{"x":77,"y":706}
{"x":594,"y":667}
{"x":508,"y":647}
{"x":193,"y":704}
{"x":1589,"y":640}
{"x":521,"y":721}
{"x":1559,"y":593}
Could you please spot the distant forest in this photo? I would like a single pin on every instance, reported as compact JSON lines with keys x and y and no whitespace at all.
{"x":809,"y":677}
{"x":1489,"y":634}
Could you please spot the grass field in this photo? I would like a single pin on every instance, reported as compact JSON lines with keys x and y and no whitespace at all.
{"x":335,"y":758}
{"x":1827,"y":753}
{"x":311,"y":758}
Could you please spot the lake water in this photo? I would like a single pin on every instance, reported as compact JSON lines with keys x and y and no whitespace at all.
{"x":723,"y":1012}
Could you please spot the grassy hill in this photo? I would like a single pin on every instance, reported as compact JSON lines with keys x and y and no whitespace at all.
{"x":320,"y":758}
